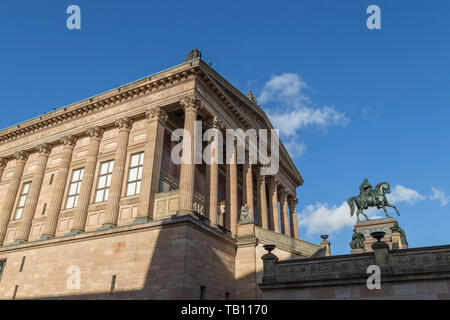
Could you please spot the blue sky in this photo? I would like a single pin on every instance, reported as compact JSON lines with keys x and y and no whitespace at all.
{"x":375,"y":103}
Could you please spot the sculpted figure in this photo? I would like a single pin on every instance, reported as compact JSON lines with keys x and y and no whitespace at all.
{"x":245,"y":217}
{"x":371,"y":198}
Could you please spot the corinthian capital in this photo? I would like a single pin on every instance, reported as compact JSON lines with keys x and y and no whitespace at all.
{"x":44,"y":148}
{"x":95,"y":132}
{"x":190,"y":103}
{"x":69,"y":141}
{"x":124,"y":123}
{"x":292,"y":201}
{"x":21,"y":155}
{"x":283,"y":194}
{"x":157,"y":113}
{"x":215,"y":123}
{"x":274,"y":182}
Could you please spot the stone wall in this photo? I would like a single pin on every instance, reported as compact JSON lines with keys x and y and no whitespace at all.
{"x":417,"y":273}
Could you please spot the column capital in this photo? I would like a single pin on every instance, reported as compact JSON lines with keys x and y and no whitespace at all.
{"x":95,"y":132}
{"x":3,"y":163}
{"x":21,"y":155}
{"x":157,"y":113}
{"x":215,"y":123}
{"x":124,"y":123}
{"x":292,"y":200}
{"x":190,"y":103}
{"x":68,"y":141}
{"x":44,"y":148}
{"x":283,"y":193}
{"x":274,"y":182}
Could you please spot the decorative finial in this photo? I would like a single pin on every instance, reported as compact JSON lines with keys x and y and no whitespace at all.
{"x":193,"y":54}
{"x":324,"y":237}
{"x":251,"y":97}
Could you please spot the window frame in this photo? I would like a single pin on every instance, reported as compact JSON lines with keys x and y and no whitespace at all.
{"x":21,"y":195}
{"x":138,"y":180}
{"x":78,"y":189}
{"x":106,"y":188}
{"x":2,"y":267}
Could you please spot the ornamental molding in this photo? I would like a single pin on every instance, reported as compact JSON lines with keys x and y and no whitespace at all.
{"x":124,"y":123}
{"x":68,"y":141}
{"x":21,"y":155}
{"x":44,"y":148}
{"x":103,"y":101}
{"x":157,"y":113}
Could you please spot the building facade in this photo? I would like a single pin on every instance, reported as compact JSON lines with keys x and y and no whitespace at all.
{"x":92,"y":205}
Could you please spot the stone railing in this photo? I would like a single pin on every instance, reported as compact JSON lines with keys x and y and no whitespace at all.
{"x":166,"y":204}
{"x":285,"y":242}
{"x":426,"y":262}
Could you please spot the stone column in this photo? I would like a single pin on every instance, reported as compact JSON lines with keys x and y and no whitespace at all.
{"x":212,"y":171}
{"x":58,"y":190}
{"x":262,"y":201}
{"x":115,"y":189}
{"x":3,"y":163}
{"x":33,"y":194}
{"x":8,"y":205}
{"x":156,"y":118}
{"x":284,"y":212}
{"x":81,"y":212}
{"x":247,"y":185}
{"x":273,"y":205}
{"x":191,"y":105}
{"x":293,"y":216}
{"x":231,"y":194}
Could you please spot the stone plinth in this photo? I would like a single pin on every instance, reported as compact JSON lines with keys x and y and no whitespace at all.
{"x":392,"y":237}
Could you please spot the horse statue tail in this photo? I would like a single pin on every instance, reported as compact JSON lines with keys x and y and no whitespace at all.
{"x":351,"y":205}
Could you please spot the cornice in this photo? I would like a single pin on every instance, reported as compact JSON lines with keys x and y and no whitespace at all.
{"x":100,"y":102}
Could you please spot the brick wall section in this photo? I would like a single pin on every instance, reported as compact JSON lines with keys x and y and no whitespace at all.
{"x":152,"y":261}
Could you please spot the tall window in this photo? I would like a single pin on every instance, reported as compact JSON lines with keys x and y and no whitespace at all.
{"x":74,"y":188}
{"x":104,"y":181}
{"x":22,"y":200}
{"x":135,"y":174}
{"x":2,"y":267}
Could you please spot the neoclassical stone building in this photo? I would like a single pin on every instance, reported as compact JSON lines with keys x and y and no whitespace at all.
{"x":90,"y":192}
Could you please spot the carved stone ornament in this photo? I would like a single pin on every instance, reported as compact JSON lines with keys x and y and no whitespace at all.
{"x":157,"y":113}
{"x":69,"y":140}
{"x":21,"y":155}
{"x":245,"y":217}
{"x":124,"y":123}
{"x":95,"y":132}
{"x":44,"y":148}
{"x":190,"y":103}
{"x":215,"y":123}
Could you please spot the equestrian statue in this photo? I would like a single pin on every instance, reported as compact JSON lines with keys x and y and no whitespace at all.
{"x":369,"y":197}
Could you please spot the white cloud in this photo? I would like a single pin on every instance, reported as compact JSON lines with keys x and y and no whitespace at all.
{"x":440,"y":195}
{"x":321,"y":218}
{"x":402,"y":194}
{"x":295,"y":148}
{"x":290,"y":109}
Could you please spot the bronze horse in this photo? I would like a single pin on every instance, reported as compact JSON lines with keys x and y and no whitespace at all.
{"x":372,"y":198}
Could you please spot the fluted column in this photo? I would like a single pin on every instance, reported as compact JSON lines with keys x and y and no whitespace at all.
{"x":293,"y":216}
{"x":273,"y":206}
{"x":231,"y":193}
{"x":247,"y":187}
{"x":212,"y":172}
{"x":81,"y":212}
{"x":5,"y":215}
{"x":3,"y":163}
{"x":58,"y":189}
{"x":284,"y":212}
{"x":115,"y":189}
{"x":262,"y":200}
{"x":156,"y":117}
{"x":33,"y":194}
{"x":191,"y":105}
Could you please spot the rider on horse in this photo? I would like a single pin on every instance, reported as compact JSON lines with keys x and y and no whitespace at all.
{"x":366,"y":191}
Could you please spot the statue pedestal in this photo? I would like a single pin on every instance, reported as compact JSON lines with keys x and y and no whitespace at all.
{"x":392,"y":238}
